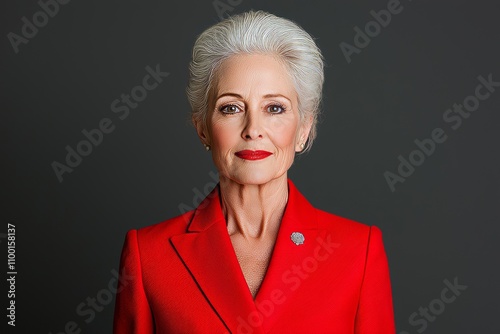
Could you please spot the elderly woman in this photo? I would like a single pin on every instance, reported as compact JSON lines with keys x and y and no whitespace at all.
{"x":255,"y":256}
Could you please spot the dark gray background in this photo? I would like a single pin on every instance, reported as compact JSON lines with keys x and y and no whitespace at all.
{"x":440,"y":224}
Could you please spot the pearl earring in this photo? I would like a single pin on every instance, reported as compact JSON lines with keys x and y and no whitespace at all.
{"x":207,"y":147}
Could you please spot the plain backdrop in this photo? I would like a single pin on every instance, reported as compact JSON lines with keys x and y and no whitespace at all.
{"x":440,"y":224}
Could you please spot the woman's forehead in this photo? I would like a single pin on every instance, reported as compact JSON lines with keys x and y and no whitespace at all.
{"x":253,"y":74}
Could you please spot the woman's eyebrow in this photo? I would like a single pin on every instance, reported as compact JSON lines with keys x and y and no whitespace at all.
{"x":229,"y":94}
{"x":276,"y":95}
{"x":265,"y":96}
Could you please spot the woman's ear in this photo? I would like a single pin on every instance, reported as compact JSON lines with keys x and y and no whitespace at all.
{"x":304,"y":130}
{"x":201,"y":130}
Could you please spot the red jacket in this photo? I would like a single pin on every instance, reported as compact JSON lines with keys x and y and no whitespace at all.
{"x":182,"y":276}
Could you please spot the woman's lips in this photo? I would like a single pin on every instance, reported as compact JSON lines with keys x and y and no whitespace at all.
{"x":252,"y":155}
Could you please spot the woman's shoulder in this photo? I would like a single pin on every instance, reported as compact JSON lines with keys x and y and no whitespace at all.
{"x":166,"y":228}
{"x":346,"y":227}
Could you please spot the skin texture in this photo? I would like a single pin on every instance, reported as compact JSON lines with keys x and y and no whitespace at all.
{"x":245,"y":113}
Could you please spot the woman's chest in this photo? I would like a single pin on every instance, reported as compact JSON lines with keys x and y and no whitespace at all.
{"x":254,"y":258}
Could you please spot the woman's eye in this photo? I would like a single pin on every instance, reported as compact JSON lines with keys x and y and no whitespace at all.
{"x":230,"y":109}
{"x":276,"y":109}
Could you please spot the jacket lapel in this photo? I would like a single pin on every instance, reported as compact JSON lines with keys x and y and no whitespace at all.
{"x":208,"y":254}
{"x":281,"y":282}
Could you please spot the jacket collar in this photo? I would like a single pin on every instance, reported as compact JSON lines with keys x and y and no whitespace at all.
{"x":207,"y":252}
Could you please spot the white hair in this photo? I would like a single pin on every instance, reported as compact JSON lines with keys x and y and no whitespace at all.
{"x":259,"y":32}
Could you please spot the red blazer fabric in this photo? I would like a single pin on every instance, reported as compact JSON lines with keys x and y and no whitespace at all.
{"x":182,"y":276}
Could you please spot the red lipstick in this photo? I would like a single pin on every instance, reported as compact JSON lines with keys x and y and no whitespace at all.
{"x":252,"y":155}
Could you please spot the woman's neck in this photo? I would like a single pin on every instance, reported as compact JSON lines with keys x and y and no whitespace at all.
{"x":253,"y":211}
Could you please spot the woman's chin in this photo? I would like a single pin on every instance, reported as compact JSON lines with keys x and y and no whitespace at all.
{"x":255,"y":178}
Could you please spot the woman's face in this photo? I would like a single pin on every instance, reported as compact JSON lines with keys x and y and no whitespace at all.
{"x":253,"y":108}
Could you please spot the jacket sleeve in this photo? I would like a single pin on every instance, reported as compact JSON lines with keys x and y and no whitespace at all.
{"x":132,"y":311}
{"x":375,"y":313}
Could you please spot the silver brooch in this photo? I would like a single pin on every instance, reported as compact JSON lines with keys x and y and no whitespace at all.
{"x":297,"y":238}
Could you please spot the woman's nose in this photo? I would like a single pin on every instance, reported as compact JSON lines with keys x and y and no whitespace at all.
{"x":253,"y":125}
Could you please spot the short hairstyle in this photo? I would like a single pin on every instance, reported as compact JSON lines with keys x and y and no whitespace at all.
{"x":258,"y":32}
